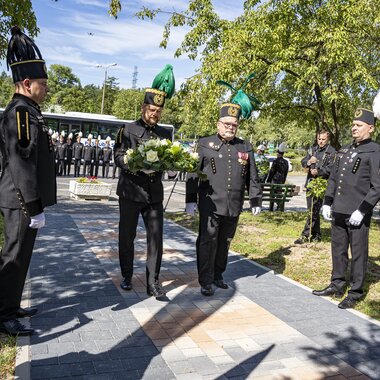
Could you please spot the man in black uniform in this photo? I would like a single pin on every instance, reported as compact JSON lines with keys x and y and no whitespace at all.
{"x":78,"y":153}
{"x":27,"y":184}
{"x":318,"y":163}
{"x":88,"y":157}
{"x":280,"y":167}
{"x":230,"y":167}
{"x":69,"y":154}
{"x":142,"y":192}
{"x":97,"y":156}
{"x":107,"y":157}
{"x":61,"y":154}
{"x":353,"y":191}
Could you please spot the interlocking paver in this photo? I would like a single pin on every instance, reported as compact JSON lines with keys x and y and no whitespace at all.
{"x":262,"y":327}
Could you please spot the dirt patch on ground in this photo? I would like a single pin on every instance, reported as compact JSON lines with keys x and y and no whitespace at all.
{"x":249,"y":229}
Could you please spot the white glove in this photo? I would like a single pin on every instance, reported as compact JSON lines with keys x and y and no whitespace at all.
{"x":92,"y":161}
{"x":356,"y":218}
{"x":191,"y":208}
{"x":37,"y":221}
{"x":326,"y":212}
{"x":256,"y":210}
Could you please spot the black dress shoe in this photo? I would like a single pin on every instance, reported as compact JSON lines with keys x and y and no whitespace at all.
{"x":14,"y":327}
{"x":126,"y":284}
{"x":302,"y":240}
{"x":220,"y":284}
{"x":26,"y":312}
{"x":155,"y":290}
{"x":207,"y":290}
{"x":348,"y":303}
{"x":328,"y":291}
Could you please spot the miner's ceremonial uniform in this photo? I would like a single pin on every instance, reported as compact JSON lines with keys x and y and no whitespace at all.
{"x":69,"y":156}
{"x":354,"y":184}
{"x":27,"y":186}
{"x":77,"y":154}
{"x":107,"y":157}
{"x":97,"y":158}
{"x":140,"y":193}
{"x":353,"y":191}
{"x":88,"y":158}
{"x":231,"y":170}
{"x":61,"y":157}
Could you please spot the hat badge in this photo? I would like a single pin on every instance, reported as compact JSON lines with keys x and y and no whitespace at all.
{"x":159,"y":99}
{"x":358,"y":113}
{"x":232,"y":111}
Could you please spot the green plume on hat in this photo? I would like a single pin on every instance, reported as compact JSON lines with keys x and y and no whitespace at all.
{"x":165,"y":81}
{"x":248,"y":103}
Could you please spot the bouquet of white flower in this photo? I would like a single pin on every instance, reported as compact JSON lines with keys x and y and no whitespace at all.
{"x":159,"y":155}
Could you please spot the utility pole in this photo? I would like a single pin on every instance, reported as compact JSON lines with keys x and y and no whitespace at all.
{"x":134,"y":78}
{"x":105,"y":81}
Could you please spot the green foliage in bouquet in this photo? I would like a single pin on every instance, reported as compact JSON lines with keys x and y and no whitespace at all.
{"x":317,"y":187}
{"x":159,"y":155}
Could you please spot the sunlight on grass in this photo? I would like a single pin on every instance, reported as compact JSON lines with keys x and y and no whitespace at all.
{"x":268,"y":240}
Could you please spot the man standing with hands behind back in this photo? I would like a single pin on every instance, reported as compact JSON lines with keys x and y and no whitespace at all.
{"x":353,"y":191}
{"x":230,"y":167}
{"x":27,"y":184}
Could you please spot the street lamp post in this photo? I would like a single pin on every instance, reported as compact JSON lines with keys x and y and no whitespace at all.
{"x":105,"y":80}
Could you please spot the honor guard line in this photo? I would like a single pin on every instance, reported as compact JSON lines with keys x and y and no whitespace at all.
{"x":96,"y":124}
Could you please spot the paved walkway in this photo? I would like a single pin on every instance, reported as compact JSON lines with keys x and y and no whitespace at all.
{"x":263,"y":327}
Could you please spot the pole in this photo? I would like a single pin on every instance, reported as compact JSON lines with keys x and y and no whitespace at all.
{"x":104,"y":90}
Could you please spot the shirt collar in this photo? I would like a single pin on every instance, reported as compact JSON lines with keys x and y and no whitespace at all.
{"x":356,"y":144}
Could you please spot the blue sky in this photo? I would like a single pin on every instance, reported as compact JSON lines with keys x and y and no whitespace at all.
{"x":80,"y":34}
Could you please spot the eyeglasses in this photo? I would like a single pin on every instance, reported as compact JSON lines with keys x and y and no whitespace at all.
{"x":230,"y":125}
{"x":154,"y":111}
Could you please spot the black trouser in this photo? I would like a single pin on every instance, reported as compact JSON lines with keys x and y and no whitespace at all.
{"x":315,"y":220}
{"x":153,"y":218}
{"x":14,"y":260}
{"x":87,"y":169}
{"x":95,"y":168}
{"x":77,"y":163}
{"x":105,"y":169}
{"x":68,"y":167}
{"x":343,"y":235}
{"x":61,"y":167}
{"x":213,"y":244}
{"x":115,"y":168}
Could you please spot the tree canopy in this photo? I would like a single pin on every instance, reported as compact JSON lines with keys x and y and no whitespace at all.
{"x":315,"y":60}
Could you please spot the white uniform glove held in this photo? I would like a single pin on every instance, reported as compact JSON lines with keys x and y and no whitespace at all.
{"x":256,"y":210}
{"x":356,"y":218}
{"x":191,"y":208}
{"x":326,"y":212}
{"x":37,"y":221}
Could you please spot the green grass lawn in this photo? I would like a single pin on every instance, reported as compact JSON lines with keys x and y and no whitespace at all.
{"x":268,"y":240}
{"x":7,"y":344}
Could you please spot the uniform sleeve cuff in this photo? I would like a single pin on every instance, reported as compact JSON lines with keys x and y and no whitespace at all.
{"x":255,"y":202}
{"x":365,"y":208}
{"x":34,"y":208}
{"x":328,"y":201}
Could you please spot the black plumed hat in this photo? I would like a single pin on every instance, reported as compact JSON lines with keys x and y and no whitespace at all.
{"x":365,"y":115}
{"x":24,"y":57}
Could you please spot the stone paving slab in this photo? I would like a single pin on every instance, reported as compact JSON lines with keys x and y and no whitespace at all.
{"x":262,"y":327}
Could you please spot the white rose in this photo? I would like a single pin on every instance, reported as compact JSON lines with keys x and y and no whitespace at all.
{"x":130,"y":152}
{"x":194,"y":155}
{"x":151,"y":143}
{"x":126,"y":158}
{"x":163,"y":142}
{"x":151,"y":156}
{"x":176,"y":143}
{"x":141,"y":150}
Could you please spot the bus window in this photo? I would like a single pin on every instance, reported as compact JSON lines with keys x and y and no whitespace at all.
{"x":108,"y":130}
{"x":88,"y":127}
{"x":52,"y":124}
{"x":64,"y":127}
{"x":75,"y":129}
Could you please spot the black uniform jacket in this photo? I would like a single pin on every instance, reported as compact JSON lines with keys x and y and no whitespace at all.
{"x":98,"y":153}
{"x":354,"y":183}
{"x":88,"y":153}
{"x":28,"y":179}
{"x":279,"y":171}
{"x":139,"y":187}
{"x":107,"y":154}
{"x":325,"y":157}
{"x":77,"y":150}
{"x":230,"y":168}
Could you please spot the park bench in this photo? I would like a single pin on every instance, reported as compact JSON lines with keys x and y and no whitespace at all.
{"x":279,"y":194}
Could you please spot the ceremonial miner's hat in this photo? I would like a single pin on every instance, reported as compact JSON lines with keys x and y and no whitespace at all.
{"x":163,"y":87}
{"x":24,"y":57}
{"x":367,"y":116}
{"x":241,"y":105}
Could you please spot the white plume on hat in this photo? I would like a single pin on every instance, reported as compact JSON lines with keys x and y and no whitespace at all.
{"x":70,"y":135}
{"x":99,"y":137}
{"x":261,"y":147}
{"x":63,"y":133}
{"x":89,"y":136}
{"x":50,"y":131}
{"x":282,"y":147}
{"x":108,"y":138}
{"x":80,"y":134}
{"x":376,"y":106}
{"x":54,"y":135}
